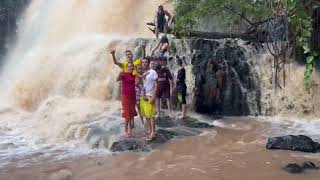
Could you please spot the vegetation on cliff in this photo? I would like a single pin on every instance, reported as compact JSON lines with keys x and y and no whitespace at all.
{"x":253,"y":16}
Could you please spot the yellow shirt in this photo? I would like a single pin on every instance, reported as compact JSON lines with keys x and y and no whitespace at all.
{"x":124,"y":66}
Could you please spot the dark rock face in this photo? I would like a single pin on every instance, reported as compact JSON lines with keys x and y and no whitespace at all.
{"x":129,"y":145}
{"x":294,"y":143}
{"x":296,"y":168}
{"x":225,"y":83}
{"x":10,"y":11}
{"x":309,"y":165}
{"x":293,"y":168}
{"x":170,"y":129}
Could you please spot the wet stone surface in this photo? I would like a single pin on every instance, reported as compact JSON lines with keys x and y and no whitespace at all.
{"x":167,"y":129}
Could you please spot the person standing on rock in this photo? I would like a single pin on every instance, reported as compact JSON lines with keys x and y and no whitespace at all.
{"x":128,"y":98}
{"x":161,"y":23}
{"x":139,"y":88}
{"x":147,"y":102}
{"x":181,"y":87}
{"x":165,"y":83}
{"x":124,"y":65}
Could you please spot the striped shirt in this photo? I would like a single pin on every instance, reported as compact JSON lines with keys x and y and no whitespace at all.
{"x":150,"y":80}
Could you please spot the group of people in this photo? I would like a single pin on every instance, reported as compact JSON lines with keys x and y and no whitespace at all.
{"x":145,"y":82}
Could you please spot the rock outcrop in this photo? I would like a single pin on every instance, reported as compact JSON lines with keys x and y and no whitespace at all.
{"x":168,"y":129}
{"x":294,"y":143}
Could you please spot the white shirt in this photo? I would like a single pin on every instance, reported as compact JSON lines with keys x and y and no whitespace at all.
{"x":150,"y":82}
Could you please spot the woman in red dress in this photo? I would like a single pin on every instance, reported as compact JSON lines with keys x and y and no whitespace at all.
{"x":128,"y":98}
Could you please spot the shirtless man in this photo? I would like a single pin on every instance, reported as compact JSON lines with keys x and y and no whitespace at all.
{"x":161,"y":23}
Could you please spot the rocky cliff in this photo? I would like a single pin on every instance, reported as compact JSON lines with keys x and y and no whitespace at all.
{"x":229,"y":77}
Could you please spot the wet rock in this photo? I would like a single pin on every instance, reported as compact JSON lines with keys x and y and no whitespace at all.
{"x":225,"y":82}
{"x":193,"y":123}
{"x":165,"y":122}
{"x":293,"y":168}
{"x":309,"y":165}
{"x":63,"y":174}
{"x":294,"y":143}
{"x":164,"y":136}
{"x":129,"y":145}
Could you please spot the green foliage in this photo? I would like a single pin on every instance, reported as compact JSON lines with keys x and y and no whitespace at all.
{"x":298,"y":13}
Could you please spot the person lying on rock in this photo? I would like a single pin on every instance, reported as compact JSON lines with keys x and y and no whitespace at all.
{"x":124,"y":65}
{"x":180,"y":86}
{"x":147,"y":102}
{"x":128,"y":98}
{"x":165,"y":83}
{"x":160,"y":21}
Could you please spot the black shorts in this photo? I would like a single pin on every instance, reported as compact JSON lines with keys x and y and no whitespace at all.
{"x":163,"y":91}
{"x":161,"y":27}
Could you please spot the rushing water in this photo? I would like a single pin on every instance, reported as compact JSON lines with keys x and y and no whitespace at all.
{"x":58,"y":82}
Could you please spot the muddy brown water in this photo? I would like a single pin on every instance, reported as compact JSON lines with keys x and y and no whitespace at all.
{"x":222,"y":153}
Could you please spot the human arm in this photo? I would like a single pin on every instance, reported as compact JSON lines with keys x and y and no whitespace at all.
{"x":119,"y":77}
{"x":153,"y":98}
{"x":169,"y":16}
{"x":112,"y":52}
{"x":158,"y":45}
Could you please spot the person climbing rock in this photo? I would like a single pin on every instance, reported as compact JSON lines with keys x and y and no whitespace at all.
{"x":161,"y":23}
{"x":162,"y":49}
{"x":129,"y":58}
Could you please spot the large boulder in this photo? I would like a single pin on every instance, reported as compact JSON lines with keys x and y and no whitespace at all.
{"x":294,"y":143}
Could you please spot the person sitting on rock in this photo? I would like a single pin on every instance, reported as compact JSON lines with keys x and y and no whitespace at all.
{"x":128,"y":97}
{"x":180,"y":86}
{"x":124,"y":65}
{"x":165,"y":84}
{"x":162,"y":49}
{"x":161,"y":23}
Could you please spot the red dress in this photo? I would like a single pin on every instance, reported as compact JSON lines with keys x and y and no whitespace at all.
{"x":128,"y":98}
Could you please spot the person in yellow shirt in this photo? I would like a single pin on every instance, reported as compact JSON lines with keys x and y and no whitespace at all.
{"x":129,"y":56}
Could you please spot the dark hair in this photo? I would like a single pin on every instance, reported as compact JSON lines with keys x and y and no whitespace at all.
{"x":128,"y":51}
{"x":157,"y":67}
{"x":147,"y":58}
{"x":160,"y":7}
{"x":179,"y":61}
{"x":164,"y":39}
{"x":163,"y":58}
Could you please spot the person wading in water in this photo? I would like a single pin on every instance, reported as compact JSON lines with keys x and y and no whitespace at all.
{"x":161,"y":23}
